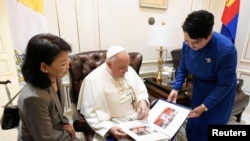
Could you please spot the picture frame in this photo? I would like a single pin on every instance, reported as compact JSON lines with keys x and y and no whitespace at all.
{"x":159,"y":4}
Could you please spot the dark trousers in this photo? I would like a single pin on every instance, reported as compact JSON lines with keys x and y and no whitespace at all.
{"x":111,"y":138}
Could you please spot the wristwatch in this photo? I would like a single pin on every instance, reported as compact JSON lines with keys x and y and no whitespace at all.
{"x":202,"y":105}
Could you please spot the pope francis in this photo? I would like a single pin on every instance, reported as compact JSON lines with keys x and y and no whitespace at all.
{"x":111,"y":94}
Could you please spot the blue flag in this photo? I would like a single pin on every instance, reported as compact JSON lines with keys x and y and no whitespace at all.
{"x":230,"y":19}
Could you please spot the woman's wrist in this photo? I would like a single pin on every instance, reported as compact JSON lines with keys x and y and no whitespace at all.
{"x":204,"y":106}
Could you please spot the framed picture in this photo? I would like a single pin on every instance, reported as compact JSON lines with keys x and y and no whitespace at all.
{"x":161,"y":4}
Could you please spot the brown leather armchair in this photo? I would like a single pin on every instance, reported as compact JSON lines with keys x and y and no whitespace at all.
{"x":81,"y":64}
{"x":240,"y":102}
{"x":241,"y":99}
{"x":176,"y":57}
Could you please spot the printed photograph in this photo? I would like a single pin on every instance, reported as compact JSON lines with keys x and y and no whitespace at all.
{"x":165,"y":118}
{"x":142,"y":130}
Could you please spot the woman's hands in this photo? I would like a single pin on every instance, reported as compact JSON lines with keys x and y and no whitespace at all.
{"x":172,"y":97}
{"x":70,"y":129}
{"x":196,"y":112}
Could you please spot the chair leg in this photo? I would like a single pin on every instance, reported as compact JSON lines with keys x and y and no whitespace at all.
{"x":238,"y":116}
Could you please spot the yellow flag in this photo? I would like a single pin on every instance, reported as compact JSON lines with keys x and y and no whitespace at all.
{"x":36,"y":5}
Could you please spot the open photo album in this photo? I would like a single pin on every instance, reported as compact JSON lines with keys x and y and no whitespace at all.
{"x":164,"y":120}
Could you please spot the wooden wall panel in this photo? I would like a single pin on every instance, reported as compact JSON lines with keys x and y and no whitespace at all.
{"x":245,"y":57}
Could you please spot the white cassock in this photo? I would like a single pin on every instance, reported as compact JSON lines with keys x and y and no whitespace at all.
{"x":105,"y":101}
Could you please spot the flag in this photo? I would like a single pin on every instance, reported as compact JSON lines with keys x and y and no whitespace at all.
{"x":230,"y":19}
{"x":26,"y":20}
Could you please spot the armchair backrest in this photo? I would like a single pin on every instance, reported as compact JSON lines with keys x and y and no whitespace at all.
{"x":81,"y":64}
{"x":176,"y":56}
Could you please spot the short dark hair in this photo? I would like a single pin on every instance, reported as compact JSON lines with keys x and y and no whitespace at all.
{"x":199,"y":24}
{"x":41,"y":48}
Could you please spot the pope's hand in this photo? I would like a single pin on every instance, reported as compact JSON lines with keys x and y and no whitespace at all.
{"x":117,"y":133}
{"x":143,"y":110}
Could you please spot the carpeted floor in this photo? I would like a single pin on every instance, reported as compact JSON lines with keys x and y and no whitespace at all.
{"x":11,"y":135}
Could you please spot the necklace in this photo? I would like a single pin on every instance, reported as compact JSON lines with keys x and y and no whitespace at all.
{"x":124,"y":88}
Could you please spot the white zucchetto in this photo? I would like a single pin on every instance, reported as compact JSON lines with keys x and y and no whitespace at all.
{"x":113,"y":50}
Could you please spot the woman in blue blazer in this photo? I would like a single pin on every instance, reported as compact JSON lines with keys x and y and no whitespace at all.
{"x":212,"y":59}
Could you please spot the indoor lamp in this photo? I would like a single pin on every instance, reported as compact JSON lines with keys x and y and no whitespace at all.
{"x":161,"y":35}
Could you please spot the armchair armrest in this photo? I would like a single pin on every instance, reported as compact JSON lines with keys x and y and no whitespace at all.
{"x":81,"y":125}
{"x":79,"y":122}
{"x":239,"y":84}
{"x":240,"y":102}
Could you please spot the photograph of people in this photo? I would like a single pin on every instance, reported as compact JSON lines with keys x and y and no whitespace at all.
{"x":165,"y":117}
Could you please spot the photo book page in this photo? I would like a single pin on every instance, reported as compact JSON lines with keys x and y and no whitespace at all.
{"x":164,"y":120}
